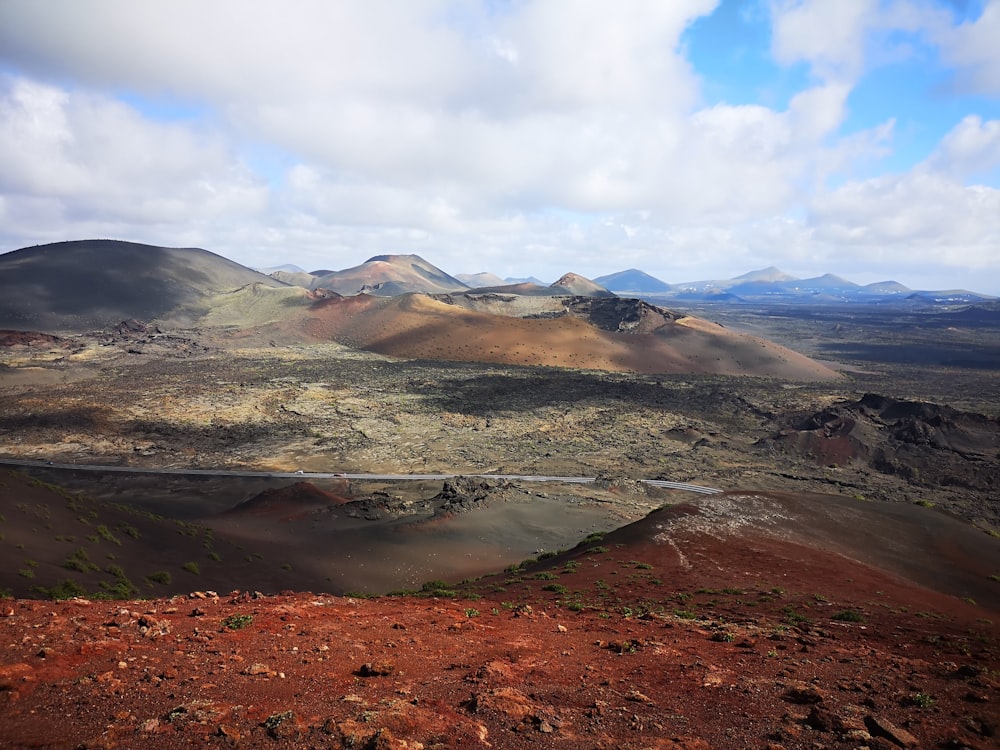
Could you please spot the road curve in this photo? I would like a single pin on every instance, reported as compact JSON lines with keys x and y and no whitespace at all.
{"x":683,"y":486}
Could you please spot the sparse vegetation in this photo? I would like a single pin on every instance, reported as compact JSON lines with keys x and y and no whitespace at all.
{"x":192,"y":567}
{"x":848,"y":615}
{"x":105,"y":533}
{"x":437,"y":588}
{"x":237,"y":622}
{"x":80,"y":562}
{"x":161,"y":577}
{"x":920,"y":700}
{"x":65,"y":589}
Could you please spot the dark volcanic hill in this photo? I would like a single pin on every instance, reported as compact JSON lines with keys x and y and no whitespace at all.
{"x":92,"y":284}
{"x":925,"y":443}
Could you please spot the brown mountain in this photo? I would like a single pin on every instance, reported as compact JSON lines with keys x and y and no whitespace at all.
{"x":572,"y":283}
{"x":589,"y":332}
{"x":569,"y":284}
{"x":388,"y":275}
{"x":92,"y":284}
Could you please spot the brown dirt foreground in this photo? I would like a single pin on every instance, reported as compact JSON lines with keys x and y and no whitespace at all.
{"x":660,"y":635}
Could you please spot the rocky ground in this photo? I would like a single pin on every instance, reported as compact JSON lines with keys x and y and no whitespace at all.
{"x":638,"y":639}
{"x":195,"y":400}
{"x":611,"y":646}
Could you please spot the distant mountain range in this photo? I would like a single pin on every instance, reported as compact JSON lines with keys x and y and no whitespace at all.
{"x":389,"y":275}
{"x":88,"y":284}
{"x":765,"y":284}
{"x":775,"y":285}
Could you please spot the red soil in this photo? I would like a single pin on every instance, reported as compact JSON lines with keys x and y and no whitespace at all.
{"x":660,"y":635}
{"x":421,"y":327}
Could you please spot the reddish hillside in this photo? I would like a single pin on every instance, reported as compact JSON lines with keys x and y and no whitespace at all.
{"x":715,"y":624}
{"x":286,"y":503}
{"x":421,"y":327}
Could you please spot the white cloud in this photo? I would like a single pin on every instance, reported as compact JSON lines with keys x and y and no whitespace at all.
{"x":537,"y":136}
{"x":973,"y":47}
{"x":919,"y":217}
{"x":970,"y":149}
{"x":829,"y":35}
{"x":77,"y":156}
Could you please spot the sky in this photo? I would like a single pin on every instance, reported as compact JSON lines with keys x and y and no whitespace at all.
{"x":692,"y":139}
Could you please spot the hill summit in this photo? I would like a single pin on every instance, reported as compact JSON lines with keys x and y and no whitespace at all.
{"x":92,"y":284}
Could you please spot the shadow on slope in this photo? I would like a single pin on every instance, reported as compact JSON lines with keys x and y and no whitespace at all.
{"x":925,"y":443}
{"x":825,"y":548}
{"x":90,"y":284}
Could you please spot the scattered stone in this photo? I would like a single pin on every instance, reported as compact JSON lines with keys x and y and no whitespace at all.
{"x":804,"y":694}
{"x":150,"y":628}
{"x":195,"y":712}
{"x":229,"y":734}
{"x":259,"y":669}
{"x":635,"y":695}
{"x":880,"y":727}
{"x":282,"y":726}
{"x":379,"y":669}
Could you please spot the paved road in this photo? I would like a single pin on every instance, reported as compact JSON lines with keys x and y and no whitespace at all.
{"x":337,"y":475}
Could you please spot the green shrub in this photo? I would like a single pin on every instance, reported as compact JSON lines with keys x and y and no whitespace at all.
{"x":237,"y":622}
{"x":849,"y":615}
{"x":105,"y":533}
{"x":921,"y":700}
{"x":556,"y":587}
{"x":437,"y":588}
{"x":121,"y":588}
{"x":160,"y":576}
{"x":66,"y":589}
{"x":192,"y":567}
{"x":80,"y":562}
